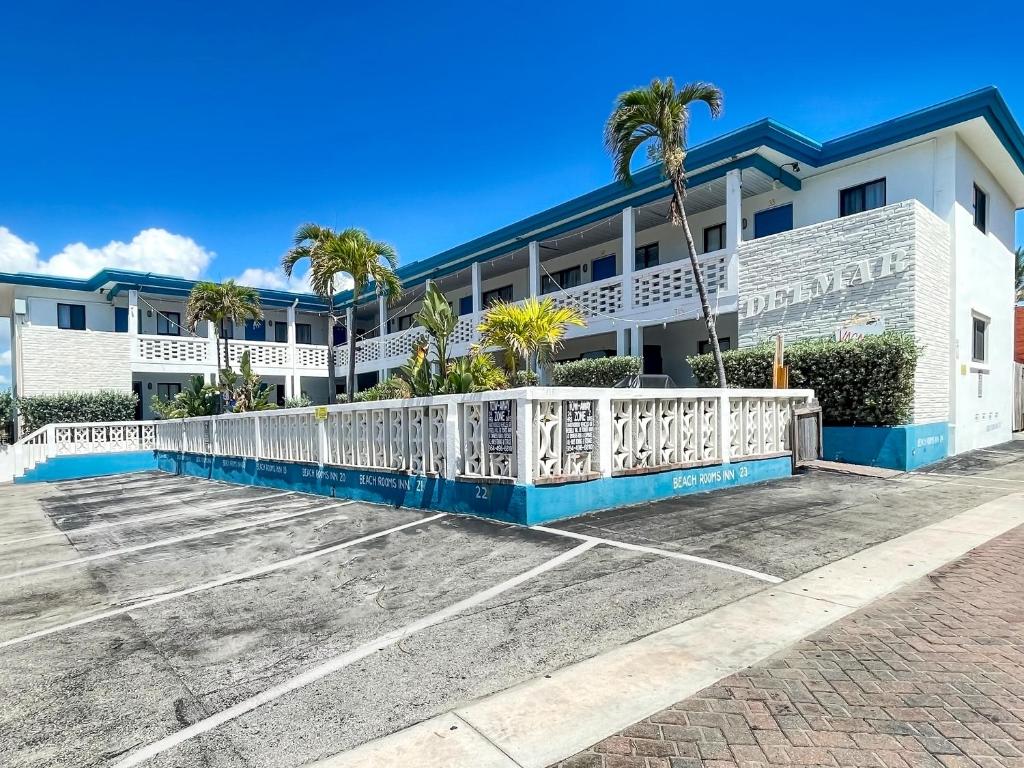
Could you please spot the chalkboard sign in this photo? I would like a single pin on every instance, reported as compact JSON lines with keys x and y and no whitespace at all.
{"x":578,"y":426}
{"x":500,"y":426}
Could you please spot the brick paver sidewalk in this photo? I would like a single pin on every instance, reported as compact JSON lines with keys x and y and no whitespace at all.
{"x":931,"y":676}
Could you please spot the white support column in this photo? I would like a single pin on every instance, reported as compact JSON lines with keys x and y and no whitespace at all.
{"x":534,"y":269}
{"x":604,"y":434}
{"x":733,"y":225}
{"x":452,"y":441}
{"x":133,"y":313}
{"x":382,"y":315}
{"x":724,"y":427}
{"x":350,"y":336}
{"x":628,"y":256}
{"x":213,"y":363}
{"x":291,"y":381}
{"x":478,"y":298}
{"x":622,"y":341}
{"x":638,"y":341}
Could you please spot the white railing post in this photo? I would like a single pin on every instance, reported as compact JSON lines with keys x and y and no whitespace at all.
{"x":534,"y":269}
{"x":604,"y":434}
{"x":724,"y":427}
{"x":257,"y":437}
{"x":322,"y":451}
{"x":51,"y":441}
{"x":628,"y":256}
{"x":524,"y":440}
{"x":452,"y":441}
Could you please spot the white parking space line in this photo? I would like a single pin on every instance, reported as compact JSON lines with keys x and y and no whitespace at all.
{"x":976,"y":477}
{"x":661,"y":552}
{"x":346,"y":659}
{"x":251,"y":523}
{"x":130,"y":499}
{"x":219,"y":582}
{"x":937,"y":482}
{"x":206,"y":510}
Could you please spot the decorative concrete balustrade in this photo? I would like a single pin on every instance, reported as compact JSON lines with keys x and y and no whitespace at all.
{"x":82,"y":439}
{"x":536,"y":435}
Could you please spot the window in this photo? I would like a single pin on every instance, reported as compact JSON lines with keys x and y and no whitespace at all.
{"x":71,"y":317}
{"x":980,"y":209}
{"x":646,"y":256}
{"x":498,"y":294}
{"x":714,"y":238}
{"x":168,"y":323}
{"x":281,"y":332}
{"x":405,"y":322}
{"x":564,"y":278}
{"x":303,"y":333}
{"x":979,"y":340}
{"x":863,"y":197}
{"x":724,"y":344}
{"x":227,"y":329}
{"x":167,"y":391}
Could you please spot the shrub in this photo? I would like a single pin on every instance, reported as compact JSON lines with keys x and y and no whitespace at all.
{"x":302,"y":401}
{"x":869,"y":381}
{"x":39,"y":410}
{"x":6,"y":412}
{"x":596,"y":372}
{"x":392,"y":388}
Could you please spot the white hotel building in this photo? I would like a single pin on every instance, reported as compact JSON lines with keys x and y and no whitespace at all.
{"x":908,"y":225}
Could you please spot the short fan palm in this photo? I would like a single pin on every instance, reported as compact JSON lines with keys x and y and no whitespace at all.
{"x":529,"y":333}
{"x":657,"y":117}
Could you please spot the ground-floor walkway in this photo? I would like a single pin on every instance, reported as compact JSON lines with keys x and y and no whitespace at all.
{"x":932,"y":675}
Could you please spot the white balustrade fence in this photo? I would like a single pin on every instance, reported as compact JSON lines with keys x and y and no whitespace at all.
{"x":77,"y":439}
{"x":530,"y":435}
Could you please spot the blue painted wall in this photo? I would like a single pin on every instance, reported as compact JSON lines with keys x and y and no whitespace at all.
{"x":904,"y":447}
{"x":93,"y":465}
{"x":525,"y":505}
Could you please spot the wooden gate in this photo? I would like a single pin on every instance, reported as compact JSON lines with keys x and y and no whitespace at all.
{"x":805,"y":434}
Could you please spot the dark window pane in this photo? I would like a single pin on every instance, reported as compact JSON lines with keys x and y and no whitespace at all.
{"x":281,"y":332}
{"x":863,"y":197}
{"x":71,"y":317}
{"x":303,"y":333}
{"x":978,"y":347}
{"x":168,"y":324}
{"x":646,"y":256}
{"x":714,"y":238}
{"x":498,"y":294}
{"x":980,"y":209}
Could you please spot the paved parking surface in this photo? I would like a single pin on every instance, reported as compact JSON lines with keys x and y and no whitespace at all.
{"x":157,"y":620}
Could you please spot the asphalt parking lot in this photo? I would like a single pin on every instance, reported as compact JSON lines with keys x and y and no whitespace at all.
{"x":166,"y":621}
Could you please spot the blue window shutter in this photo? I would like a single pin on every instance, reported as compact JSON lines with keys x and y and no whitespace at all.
{"x":255,"y":332}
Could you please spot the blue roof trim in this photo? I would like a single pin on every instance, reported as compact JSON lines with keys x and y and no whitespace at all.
{"x":731,"y":150}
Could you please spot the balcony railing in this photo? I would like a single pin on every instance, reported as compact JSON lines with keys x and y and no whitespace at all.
{"x":599,"y":300}
{"x":192,"y":353}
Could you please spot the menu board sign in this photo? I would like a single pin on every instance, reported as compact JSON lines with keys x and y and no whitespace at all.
{"x":500,"y":426}
{"x":578,"y":426}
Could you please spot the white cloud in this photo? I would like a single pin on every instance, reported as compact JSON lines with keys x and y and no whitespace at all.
{"x":277,"y":280}
{"x":5,"y":358}
{"x":152,"y":250}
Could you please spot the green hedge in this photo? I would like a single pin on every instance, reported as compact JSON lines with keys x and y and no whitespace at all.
{"x":40,"y":410}
{"x":870,"y":381}
{"x":596,"y":372}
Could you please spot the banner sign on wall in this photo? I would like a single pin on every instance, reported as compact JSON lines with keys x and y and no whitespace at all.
{"x":874,"y":326}
{"x":500,"y":426}
{"x":578,"y":426}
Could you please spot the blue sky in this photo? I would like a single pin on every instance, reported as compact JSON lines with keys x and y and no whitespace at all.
{"x":214,"y":129}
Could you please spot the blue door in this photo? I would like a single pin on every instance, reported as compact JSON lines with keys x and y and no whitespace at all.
{"x":773,"y":221}
{"x":255,"y":332}
{"x":340,"y":334}
{"x":120,"y":319}
{"x":466,"y":305}
{"x":602,"y":268}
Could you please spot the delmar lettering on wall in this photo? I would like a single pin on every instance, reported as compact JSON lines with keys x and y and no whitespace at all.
{"x":842,"y":277}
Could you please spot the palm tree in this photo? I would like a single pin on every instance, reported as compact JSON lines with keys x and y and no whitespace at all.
{"x":659,"y":116}
{"x":331,"y":254}
{"x":218,"y":302}
{"x":529,"y":332}
{"x":1019,"y":279}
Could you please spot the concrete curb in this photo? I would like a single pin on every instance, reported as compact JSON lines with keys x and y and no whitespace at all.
{"x":544,"y":720}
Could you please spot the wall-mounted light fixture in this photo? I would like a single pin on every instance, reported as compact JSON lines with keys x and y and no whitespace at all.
{"x":149,"y":385}
{"x":149,"y":313}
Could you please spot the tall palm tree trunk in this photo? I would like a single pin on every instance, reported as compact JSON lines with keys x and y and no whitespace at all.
{"x":332,"y":383}
{"x":698,"y":279}
{"x":350,"y":334}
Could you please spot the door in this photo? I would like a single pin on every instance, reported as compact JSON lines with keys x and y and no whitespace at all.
{"x":137,"y":390}
{"x":773,"y":221}
{"x":466,"y":305}
{"x":652,"y":359}
{"x":603,"y":268}
{"x":120,"y":319}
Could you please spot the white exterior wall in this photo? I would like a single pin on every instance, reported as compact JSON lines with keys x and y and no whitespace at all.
{"x":53,"y":360}
{"x":775,"y":270}
{"x":983,"y":285}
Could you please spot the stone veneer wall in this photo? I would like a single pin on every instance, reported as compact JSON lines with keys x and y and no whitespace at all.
{"x":793,"y":275}
{"x":55,"y":360}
